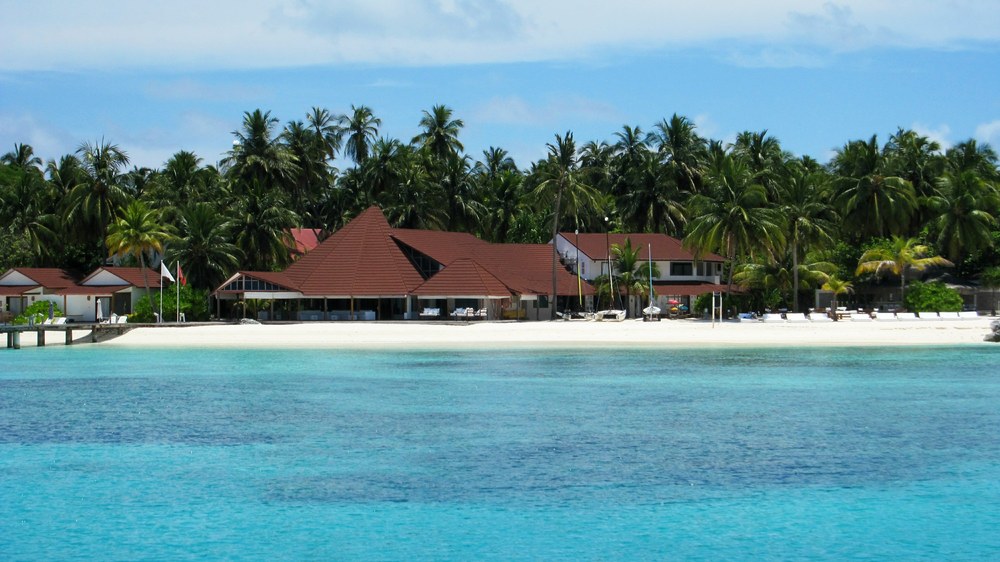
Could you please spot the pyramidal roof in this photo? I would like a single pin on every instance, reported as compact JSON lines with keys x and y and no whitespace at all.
{"x":464,"y":278}
{"x":359,"y":260}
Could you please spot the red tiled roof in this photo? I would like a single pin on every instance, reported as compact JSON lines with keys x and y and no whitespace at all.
{"x":305,"y":239}
{"x":443,"y":247}
{"x":464,"y":278}
{"x":48,"y":277}
{"x":96,"y":290}
{"x":665,"y":248}
{"x":131,"y":276}
{"x":359,"y":260}
{"x":527,"y":269}
{"x":15,"y":290}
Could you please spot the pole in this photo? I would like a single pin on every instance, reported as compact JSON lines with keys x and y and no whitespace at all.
{"x":579,"y":281}
{"x":160,"y":318}
{"x":611,"y":278}
{"x":178,"y":283}
{"x":713,"y":309}
{"x":649,"y":248}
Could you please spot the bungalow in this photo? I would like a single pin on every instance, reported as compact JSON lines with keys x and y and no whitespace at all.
{"x":368,"y":270}
{"x":105,"y":291}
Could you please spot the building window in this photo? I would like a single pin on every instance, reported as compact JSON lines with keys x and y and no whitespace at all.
{"x":681,"y":269}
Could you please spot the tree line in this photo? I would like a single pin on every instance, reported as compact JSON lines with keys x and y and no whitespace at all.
{"x":784,"y":223}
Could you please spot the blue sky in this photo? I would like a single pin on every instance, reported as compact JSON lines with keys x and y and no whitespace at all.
{"x":156,"y":78}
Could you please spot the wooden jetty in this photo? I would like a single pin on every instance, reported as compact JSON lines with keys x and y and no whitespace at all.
{"x":98,"y":332}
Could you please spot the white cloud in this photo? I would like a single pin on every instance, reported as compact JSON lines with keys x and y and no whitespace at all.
{"x":48,"y":141}
{"x":989,"y":133}
{"x":939,"y":135}
{"x":515,"y":110}
{"x":190,"y":89}
{"x":65,"y":34}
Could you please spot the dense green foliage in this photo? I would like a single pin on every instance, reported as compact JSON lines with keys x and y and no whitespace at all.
{"x":932,"y":297}
{"x":763,"y":209}
{"x":37,"y":313}
{"x":194,"y":305}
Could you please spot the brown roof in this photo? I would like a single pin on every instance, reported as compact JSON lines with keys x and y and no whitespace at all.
{"x":464,"y":278}
{"x":664,"y":248}
{"x":15,"y":290}
{"x":305,"y":239}
{"x":131,"y":275}
{"x":443,"y":247}
{"x":96,"y":290}
{"x":527,"y":269}
{"x":359,"y":260}
{"x":48,"y":277}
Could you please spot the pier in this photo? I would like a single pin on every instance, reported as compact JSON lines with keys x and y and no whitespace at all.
{"x":98,"y":332}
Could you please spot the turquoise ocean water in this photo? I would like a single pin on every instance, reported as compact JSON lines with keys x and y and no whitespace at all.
{"x":881,"y":454}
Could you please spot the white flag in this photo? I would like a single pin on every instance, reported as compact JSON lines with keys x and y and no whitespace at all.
{"x":164,"y":272}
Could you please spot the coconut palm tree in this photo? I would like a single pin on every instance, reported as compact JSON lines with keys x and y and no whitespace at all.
{"x":439,"y":133}
{"x":837,"y":287}
{"x":204,"y":246}
{"x":899,"y":257}
{"x":653,"y":203}
{"x":263,"y":222}
{"x":22,"y":157}
{"x":964,"y":223}
{"x":94,"y":203}
{"x":137,"y":232}
{"x":682,"y":150}
{"x":809,"y":217}
{"x":361,"y":130}
{"x":258,"y":157}
{"x":324,"y":127}
{"x":871,"y":201}
{"x":732,"y":218}
{"x":562,"y":184}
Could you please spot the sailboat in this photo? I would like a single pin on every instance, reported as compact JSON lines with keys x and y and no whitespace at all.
{"x":651,"y":310}
{"x":614,"y":315}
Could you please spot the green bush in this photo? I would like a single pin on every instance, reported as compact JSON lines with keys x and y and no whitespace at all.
{"x":40,"y":311}
{"x":194,"y":305}
{"x":932,"y":297}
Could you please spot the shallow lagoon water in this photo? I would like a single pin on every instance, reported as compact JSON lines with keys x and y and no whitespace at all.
{"x":558,"y":454}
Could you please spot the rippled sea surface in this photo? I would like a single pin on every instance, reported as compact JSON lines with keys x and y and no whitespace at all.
{"x":110,"y":454}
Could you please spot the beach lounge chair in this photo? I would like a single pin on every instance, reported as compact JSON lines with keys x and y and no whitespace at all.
{"x":748,"y":317}
{"x":772,"y":318}
{"x":861,"y":317}
{"x":948,"y":315}
{"x":968,"y":315}
{"x":820,"y":317}
{"x":928,"y":316}
{"x":908,"y":316}
{"x":59,"y":321}
{"x":122,"y":320}
{"x":430,"y":313}
{"x":885,"y":316}
{"x":796,"y":317}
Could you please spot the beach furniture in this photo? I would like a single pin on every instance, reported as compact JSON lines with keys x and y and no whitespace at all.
{"x":748,"y":317}
{"x":968,"y":315}
{"x":906,"y":316}
{"x":797,"y":317}
{"x":122,"y":320}
{"x":928,"y":316}
{"x":430,"y":313}
{"x":948,"y":315}
{"x":885,"y":316}
{"x":820,"y":317}
{"x":861,"y":317}
{"x":772,"y":318}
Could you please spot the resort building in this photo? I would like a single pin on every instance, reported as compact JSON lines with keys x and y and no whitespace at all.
{"x":368,"y":270}
{"x":678,"y":276}
{"x":106,"y":291}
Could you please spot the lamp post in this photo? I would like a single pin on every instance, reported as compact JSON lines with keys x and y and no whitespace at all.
{"x":579,"y":282}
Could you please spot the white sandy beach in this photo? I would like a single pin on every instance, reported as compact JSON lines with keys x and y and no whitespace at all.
{"x":675,"y":333}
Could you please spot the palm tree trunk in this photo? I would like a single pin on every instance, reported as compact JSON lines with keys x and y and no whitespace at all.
{"x":555,"y":232}
{"x":795,"y":277}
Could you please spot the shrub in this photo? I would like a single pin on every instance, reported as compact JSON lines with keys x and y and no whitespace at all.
{"x":194,"y":305}
{"x":39,"y":311}
{"x":932,"y":297}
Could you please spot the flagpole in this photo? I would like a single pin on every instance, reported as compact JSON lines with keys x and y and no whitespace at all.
{"x":178,"y":283}
{"x":160,"y":318}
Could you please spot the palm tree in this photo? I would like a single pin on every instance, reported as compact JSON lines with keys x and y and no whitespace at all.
{"x":763,"y":155}
{"x":970,"y":155}
{"x":871,"y":202}
{"x":204,"y":246}
{"x":325,"y":129}
{"x":810,"y":219}
{"x":22,"y":157}
{"x":653,"y":202}
{"x":990,"y":278}
{"x":361,"y":128}
{"x":963,"y":222}
{"x":258,"y":157}
{"x":94,"y":203}
{"x":561,"y":181}
{"x":900,"y":256}
{"x":733,"y":218}
{"x":263,"y":222}
{"x":682,"y":150}
{"x":837,"y":287}
{"x":439,"y":134}
{"x":137,"y":232}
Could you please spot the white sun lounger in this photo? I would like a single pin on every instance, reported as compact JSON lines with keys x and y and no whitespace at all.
{"x":820,"y":317}
{"x":860,"y":317}
{"x":796,"y":317}
{"x":968,"y":315}
{"x":906,"y":316}
{"x":886,"y":316}
{"x":772,"y":318}
{"x":928,"y":316}
{"x":948,"y":315}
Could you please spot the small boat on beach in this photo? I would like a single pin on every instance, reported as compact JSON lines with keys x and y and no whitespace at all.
{"x":610,"y":315}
